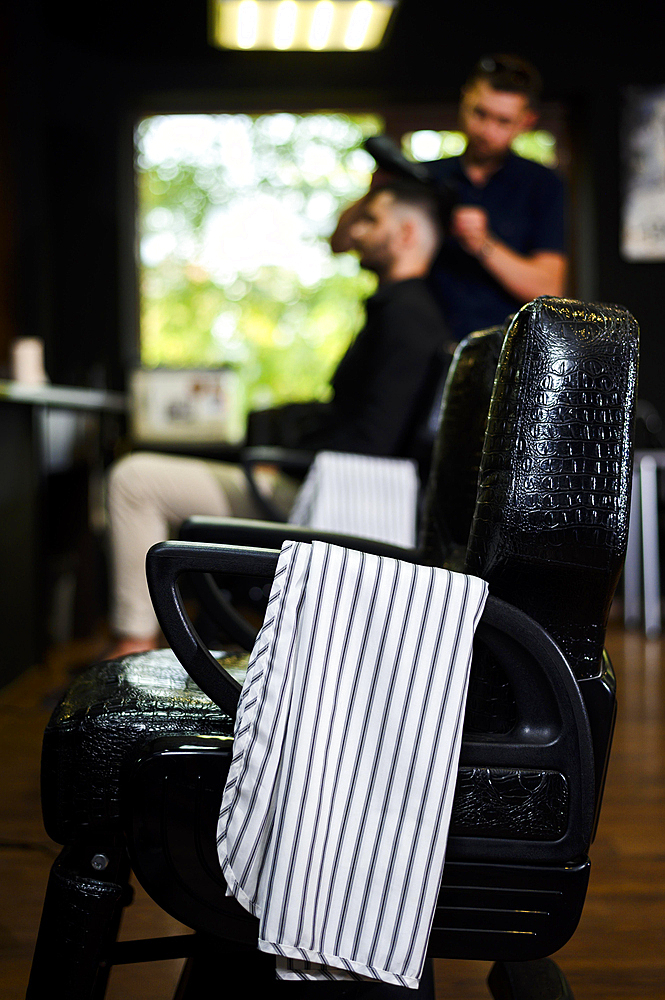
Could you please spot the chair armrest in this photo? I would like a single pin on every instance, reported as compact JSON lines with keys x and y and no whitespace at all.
{"x":291,"y":462}
{"x":266,"y":534}
{"x":165,"y":563}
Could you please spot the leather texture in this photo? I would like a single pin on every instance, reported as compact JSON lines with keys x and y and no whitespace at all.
{"x":490,"y":802}
{"x":551,"y":523}
{"x":109,"y":711}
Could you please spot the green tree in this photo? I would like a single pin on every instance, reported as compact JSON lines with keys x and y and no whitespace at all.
{"x":235,"y":212}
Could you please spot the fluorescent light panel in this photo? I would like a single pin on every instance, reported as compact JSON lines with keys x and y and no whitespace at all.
{"x":343,"y":25}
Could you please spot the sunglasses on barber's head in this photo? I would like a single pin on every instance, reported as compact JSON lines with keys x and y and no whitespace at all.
{"x":514,"y":68}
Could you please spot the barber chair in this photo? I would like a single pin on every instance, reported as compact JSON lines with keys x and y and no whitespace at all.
{"x":266,"y":426}
{"x":136,"y":753}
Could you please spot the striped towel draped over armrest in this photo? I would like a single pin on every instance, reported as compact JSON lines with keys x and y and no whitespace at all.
{"x":335,"y":814}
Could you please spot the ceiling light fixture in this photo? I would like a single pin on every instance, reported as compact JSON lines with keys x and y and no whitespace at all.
{"x":315,"y":25}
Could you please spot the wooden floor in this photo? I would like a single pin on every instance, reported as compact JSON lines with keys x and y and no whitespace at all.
{"x":618,"y":952}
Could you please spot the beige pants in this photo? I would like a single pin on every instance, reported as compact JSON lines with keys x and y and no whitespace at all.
{"x":149,"y":496}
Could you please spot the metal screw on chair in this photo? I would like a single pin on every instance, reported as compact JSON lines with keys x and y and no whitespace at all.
{"x":99,"y":862}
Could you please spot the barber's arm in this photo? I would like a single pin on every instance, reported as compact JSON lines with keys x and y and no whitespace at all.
{"x":525,"y":277}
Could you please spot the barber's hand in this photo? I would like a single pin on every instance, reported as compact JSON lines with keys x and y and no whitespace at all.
{"x":470,"y":227}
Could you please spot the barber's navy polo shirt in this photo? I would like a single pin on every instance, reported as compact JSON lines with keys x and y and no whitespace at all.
{"x":525,"y":205}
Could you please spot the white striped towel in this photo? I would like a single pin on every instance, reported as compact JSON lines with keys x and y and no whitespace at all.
{"x":335,"y":815}
{"x":363,"y":495}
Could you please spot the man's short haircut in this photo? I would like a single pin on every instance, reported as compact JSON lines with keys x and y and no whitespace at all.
{"x":433,"y":204}
{"x":508,"y":73}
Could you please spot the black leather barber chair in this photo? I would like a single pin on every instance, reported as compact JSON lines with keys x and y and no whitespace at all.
{"x":135,"y":755}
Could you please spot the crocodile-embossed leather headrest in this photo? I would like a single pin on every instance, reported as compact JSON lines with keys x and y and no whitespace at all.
{"x":551,"y":521}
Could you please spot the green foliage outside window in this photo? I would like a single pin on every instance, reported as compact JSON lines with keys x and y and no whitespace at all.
{"x":539,"y":145}
{"x":234,"y":217}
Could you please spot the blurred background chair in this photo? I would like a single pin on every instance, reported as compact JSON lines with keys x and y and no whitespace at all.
{"x":549,"y":534}
{"x":445,"y":508}
{"x":642,"y":587}
{"x":265,"y":435}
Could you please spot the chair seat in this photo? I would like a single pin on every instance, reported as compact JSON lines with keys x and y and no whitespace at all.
{"x":116,"y":707}
{"x":109,"y":711}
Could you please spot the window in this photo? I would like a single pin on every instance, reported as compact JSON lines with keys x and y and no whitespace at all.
{"x":235,"y":211}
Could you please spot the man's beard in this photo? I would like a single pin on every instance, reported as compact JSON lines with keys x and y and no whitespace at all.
{"x":378,"y":259}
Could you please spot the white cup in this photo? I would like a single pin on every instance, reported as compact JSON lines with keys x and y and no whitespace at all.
{"x":27,"y":361}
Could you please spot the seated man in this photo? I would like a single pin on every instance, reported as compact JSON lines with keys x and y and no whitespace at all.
{"x":379,"y":387}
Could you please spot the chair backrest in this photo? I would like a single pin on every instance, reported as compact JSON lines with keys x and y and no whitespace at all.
{"x":550,"y":527}
{"x":421,"y":434}
{"x":450,"y":496}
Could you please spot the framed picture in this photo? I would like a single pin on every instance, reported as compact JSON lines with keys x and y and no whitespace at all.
{"x":643,"y":148}
{"x":188,"y":406}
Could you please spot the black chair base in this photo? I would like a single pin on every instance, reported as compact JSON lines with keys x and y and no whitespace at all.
{"x":519,"y":911}
{"x":80,"y":921}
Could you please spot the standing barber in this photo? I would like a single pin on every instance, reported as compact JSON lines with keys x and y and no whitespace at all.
{"x":506,"y":243}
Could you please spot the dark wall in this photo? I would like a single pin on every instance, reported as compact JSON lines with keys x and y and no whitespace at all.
{"x":78,"y":81}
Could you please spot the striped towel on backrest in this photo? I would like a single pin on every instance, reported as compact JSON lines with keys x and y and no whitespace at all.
{"x":363,"y":495}
{"x":335,"y":814}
